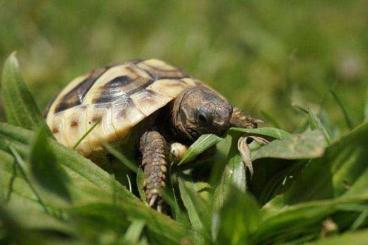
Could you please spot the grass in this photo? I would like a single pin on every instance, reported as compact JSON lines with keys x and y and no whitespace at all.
{"x":299,"y":64}
{"x":301,"y":181}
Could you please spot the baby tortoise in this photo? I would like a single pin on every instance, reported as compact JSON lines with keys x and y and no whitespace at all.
{"x":171,"y":105}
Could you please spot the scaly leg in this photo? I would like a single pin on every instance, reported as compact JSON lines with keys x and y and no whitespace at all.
{"x":154,"y":150}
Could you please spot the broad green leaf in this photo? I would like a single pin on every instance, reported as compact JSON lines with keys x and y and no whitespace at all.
{"x":266,"y":131}
{"x":310,"y":144}
{"x":20,"y":107}
{"x":237,"y":219}
{"x":45,"y":169}
{"x":200,"y":145}
{"x":342,"y":169}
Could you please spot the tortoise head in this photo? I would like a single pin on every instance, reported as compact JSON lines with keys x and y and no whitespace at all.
{"x":200,"y":110}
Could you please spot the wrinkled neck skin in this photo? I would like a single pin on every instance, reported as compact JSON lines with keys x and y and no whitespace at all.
{"x":176,"y":123}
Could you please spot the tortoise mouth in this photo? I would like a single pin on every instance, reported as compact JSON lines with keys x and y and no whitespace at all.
{"x":193,"y":134}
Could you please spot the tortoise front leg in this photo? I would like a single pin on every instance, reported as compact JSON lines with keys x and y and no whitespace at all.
{"x":154,"y":150}
{"x":241,"y":120}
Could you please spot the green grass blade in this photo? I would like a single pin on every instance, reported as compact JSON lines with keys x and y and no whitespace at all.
{"x":234,"y":175}
{"x":359,"y":221}
{"x":20,"y":107}
{"x":315,"y":122}
{"x":198,"y":209}
{"x":85,"y":135}
{"x":88,"y":184}
{"x":23,"y":168}
{"x":366,"y":107}
{"x":347,"y":117}
{"x":270,"y":119}
{"x":356,"y":238}
{"x":134,"y":231}
{"x":45,"y":170}
{"x":238,"y":218}
{"x":200,"y":145}
{"x":121,"y":157}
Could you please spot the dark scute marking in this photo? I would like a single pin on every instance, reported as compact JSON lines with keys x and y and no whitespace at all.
{"x":157,"y":73}
{"x":143,"y":86}
{"x":113,"y":89}
{"x":75,"y":96}
{"x":74,"y":124}
{"x":134,"y":61}
{"x":55,"y":130}
{"x":97,"y":118}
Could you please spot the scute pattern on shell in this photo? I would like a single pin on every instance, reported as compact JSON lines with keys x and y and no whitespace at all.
{"x":115,"y":98}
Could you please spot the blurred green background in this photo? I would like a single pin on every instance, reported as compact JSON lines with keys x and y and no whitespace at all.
{"x":264,"y":56}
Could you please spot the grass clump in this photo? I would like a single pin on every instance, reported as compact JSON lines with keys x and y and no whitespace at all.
{"x":306,"y":187}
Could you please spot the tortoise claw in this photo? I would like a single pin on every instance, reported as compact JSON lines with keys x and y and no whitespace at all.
{"x":152,"y":200}
{"x":156,"y":202}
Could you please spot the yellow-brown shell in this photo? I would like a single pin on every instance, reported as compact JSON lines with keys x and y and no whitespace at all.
{"x":114,"y":99}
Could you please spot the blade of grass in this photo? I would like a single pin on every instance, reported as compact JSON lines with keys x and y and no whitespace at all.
{"x":238,"y":218}
{"x":22,"y":167}
{"x":198,"y":210}
{"x":85,"y":135}
{"x":315,"y":122}
{"x":357,"y":238}
{"x":45,"y":170}
{"x":203,"y":143}
{"x":366,"y":107}
{"x":92,"y":183}
{"x":20,"y":107}
{"x":359,"y":221}
{"x":270,"y":119}
{"x":121,"y":157}
{"x":134,"y":231}
{"x":347,"y":117}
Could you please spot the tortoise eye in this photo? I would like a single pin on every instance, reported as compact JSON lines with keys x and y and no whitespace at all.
{"x":203,"y":118}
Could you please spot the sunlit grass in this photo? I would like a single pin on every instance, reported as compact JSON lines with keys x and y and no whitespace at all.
{"x":301,"y":183}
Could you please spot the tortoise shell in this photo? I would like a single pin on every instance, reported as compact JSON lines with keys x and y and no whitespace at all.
{"x":113,"y":100}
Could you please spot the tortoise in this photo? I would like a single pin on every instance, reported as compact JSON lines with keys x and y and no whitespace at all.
{"x":170,"y":106}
